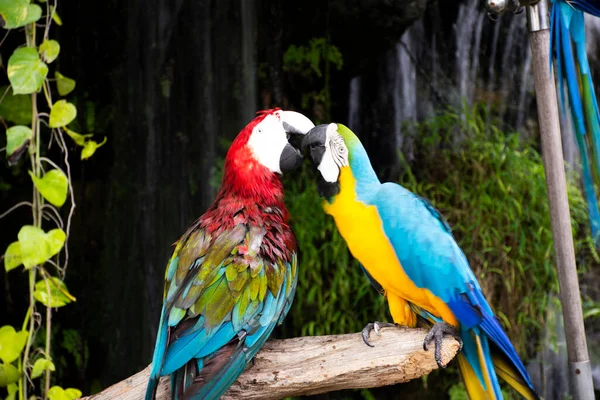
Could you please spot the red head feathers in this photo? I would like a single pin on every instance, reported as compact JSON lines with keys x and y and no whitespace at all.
{"x":259,"y":153}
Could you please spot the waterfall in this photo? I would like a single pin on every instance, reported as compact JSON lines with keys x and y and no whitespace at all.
{"x":353,"y":104}
{"x":523,"y":93}
{"x":405,"y":90}
{"x":467,"y":32}
{"x":548,"y":371}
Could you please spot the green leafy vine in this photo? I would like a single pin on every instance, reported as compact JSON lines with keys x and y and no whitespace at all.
{"x":38,"y":121}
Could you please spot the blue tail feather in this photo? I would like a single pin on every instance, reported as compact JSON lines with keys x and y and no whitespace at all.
{"x":159,"y":355}
{"x":567,"y":27}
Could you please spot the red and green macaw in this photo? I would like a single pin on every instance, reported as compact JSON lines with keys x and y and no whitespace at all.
{"x":233,"y":274}
{"x":407,"y":249}
{"x":568,"y":50}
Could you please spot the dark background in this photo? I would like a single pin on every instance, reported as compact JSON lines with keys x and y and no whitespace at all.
{"x":170,"y":82}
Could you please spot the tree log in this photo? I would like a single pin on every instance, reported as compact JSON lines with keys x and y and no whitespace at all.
{"x":316,"y":364}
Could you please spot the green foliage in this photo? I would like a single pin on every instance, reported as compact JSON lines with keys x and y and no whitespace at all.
{"x":12,"y":256}
{"x":17,"y":137}
{"x":458,"y":392}
{"x":308,"y":59}
{"x":49,"y":50}
{"x":307,"y":62}
{"x":37,"y":249}
{"x":62,"y":114}
{"x":90,"y":148}
{"x":53,"y":186}
{"x":64,"y":85}
{"x":40,"y":366}
{"x":333,"y":295}
{"x":15,"y":108}
{"x":9,"y":374}
{"x":491,"y":187}
{"x":11,"y":343}
{"x":52,"y":292}
{"x":26,"y":72}
{"x":18,"y":13}
{"x":58,"y":393}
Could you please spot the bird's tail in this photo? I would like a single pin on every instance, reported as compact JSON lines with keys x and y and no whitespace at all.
{"x":481,"y":363}
{"x":208,"y":378}
{"x":158,"y":357}
{"x":572,"y":67}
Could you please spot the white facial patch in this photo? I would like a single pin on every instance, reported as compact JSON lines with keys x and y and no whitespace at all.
{"x":267,"y":140}
{"x":336,"y":155}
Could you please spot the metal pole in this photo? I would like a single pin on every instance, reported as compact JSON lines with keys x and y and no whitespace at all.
{"x":580,"y":371}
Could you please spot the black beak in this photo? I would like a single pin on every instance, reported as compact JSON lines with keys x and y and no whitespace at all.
{"x":290,"y":159}
{"x":294,"y":123}
{"x":315,"y":142}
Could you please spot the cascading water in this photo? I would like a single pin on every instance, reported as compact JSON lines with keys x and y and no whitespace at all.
{"x":467,"y":33}
{"x":354,"y":96}
{"x":484,"y":61}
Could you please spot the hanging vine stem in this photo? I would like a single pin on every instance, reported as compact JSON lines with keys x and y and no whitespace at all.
{"x":13,"y":208}
{"x":37,"y":222}
{"x":27,"y":71}
{"x":72,"y":195}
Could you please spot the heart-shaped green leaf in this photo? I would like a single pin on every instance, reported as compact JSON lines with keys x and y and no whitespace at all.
{"x":56,"y":240}
{"x":40,"y":366}
{"x":12,"y":256}
{"x":15,"y":108}
{"x":90,"y":148}
{"x":16,"y":138}
{"x":58,"y":393}
{"x":49,"y":50}
{"x":52,"y":292}
{"x":37,"y":246}
{"x":11,"y":343}
{"x":62,"y":114}
{"x":9,"y":374}
{"x":17,"y":13}
{"x":34,"y":248}
{"x":78,"y":138}
{"x":53,"y":186}
{"x":26,"y":72}
{"x":64,"y":85}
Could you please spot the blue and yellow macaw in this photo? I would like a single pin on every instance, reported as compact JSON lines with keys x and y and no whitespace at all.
{"x":567,"y":30}
{"x":408,"y":250}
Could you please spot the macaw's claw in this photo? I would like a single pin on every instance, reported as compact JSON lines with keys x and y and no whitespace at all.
{"x":374,"y":326}
{"x":437,"y":334}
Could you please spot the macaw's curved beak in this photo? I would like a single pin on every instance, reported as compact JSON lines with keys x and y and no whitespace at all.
{"x":315,"y":140}
{"x":293,"y":123}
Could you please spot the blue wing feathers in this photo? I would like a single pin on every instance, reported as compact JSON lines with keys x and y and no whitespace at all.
{"x":425,"y":247}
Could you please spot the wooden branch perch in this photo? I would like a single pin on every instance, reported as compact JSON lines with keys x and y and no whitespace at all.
{"x":316,"y":364}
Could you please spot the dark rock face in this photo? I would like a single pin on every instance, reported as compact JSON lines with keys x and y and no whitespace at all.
{"x":367,"y":28}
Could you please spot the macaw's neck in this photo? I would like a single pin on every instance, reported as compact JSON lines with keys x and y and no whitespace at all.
{"x":251,"y":183}
{"x":247,"y":179}
{"x":359,"y":179}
